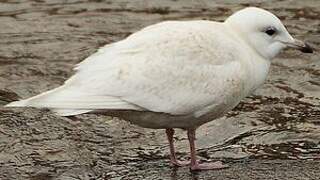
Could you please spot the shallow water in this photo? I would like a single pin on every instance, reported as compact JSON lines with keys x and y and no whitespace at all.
{"x":40,"y":41}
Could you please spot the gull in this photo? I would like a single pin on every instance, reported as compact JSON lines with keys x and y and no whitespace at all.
{"x":174,"y":74}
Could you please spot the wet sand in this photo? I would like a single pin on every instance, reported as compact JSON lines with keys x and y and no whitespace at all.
{"x":273,"y":134}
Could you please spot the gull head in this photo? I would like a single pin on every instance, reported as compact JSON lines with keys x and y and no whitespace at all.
{"x":264,"y":32}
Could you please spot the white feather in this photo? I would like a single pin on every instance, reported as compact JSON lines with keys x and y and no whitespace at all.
{"x":179,"y":71}
{"x":68,"y":101}
{"x":192,"y":69}
{"x":70,"y":112}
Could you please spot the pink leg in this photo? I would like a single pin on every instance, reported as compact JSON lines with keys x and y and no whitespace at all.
{"x":195,"y":166}
{"x":173,"y":158}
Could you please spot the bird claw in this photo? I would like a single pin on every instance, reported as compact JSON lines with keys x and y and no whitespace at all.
{"x":179,"y":163}
{"x":208,"y":166}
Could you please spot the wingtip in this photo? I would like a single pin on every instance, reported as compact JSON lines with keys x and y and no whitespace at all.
{"x":16,"y":104}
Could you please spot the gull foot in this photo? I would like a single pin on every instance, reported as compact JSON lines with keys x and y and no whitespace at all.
{"x":180,"y":163}
{"x":208,"y":166}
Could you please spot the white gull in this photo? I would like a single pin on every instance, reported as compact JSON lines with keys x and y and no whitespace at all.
{"x":174,"y":74}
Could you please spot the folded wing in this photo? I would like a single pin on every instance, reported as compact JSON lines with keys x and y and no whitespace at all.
{"x":173,"y":67}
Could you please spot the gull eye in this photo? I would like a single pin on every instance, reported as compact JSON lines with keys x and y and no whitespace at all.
{"x":270,"y":31}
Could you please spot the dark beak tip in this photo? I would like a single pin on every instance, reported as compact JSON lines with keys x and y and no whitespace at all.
{"x":306,"y":48}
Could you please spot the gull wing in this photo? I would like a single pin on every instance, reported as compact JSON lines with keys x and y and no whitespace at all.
{"x":171,"y":67}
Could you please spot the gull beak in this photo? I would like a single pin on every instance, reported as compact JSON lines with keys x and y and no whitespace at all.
{"x":300,"y":45}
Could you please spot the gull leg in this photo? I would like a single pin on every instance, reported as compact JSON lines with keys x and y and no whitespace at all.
{"x":173,"y":158}
{"x":195,"y":166}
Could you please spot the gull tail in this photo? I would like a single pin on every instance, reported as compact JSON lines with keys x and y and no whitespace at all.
{"x":35,"y":101}
{"x":66,"y":101}
{"x":21,"y":103}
